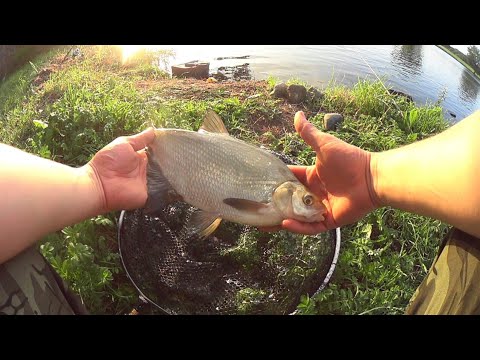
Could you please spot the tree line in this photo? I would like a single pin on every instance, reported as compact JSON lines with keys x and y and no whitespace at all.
{"x":472,"y":57}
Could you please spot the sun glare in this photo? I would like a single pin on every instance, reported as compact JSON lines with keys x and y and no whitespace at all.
{"x":129,"y":50}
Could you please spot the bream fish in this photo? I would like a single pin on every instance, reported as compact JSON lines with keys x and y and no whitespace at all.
{"x":225,"y":178}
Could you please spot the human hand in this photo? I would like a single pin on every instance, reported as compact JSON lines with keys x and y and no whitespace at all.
{"x":341,"y":175}
{"x":119,"y":172}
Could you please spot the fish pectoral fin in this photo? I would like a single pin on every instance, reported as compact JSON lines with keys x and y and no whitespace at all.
{"x":213,"y":123}
{"x":159,"y":190}
{"x":246,"y":205}
{"x":204,"y":223}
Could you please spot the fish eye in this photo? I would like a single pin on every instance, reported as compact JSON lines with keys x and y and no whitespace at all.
{"x":308,"y":200}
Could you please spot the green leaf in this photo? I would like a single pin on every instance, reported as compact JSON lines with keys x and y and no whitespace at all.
{"x":40,"y":124}
{"x":412,"y":137}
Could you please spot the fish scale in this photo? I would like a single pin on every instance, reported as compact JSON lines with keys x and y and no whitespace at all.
{"x":224,"y":177}
{"x":205,"y":168}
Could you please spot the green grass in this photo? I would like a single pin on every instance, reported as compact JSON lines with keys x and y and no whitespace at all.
{"x":384,"y":258}
{"x":85,"y":256}
{"x":91,"y":100}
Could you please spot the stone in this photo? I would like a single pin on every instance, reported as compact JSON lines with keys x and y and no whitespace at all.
{"x":280,"y":91}
{"x":220,"y":76}
{"x":331,"y":121}
{"x":315,"y":94}
{"x":296,"y":94}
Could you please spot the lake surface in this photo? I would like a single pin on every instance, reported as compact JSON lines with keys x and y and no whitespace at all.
{"x":423,"y":71}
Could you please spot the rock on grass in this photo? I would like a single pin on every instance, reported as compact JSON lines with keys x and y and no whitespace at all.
{"x":331,"y":121}
{"x":315,"y":94}
{"x":296,"y":94}
{"x":280,"y":91}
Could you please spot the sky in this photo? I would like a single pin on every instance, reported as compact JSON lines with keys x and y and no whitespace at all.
{"x":463,"y":48}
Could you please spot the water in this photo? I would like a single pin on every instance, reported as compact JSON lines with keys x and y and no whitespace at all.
{"x":423,"y":71}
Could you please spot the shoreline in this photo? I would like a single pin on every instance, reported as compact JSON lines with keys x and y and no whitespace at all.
{"x":467,"y":66}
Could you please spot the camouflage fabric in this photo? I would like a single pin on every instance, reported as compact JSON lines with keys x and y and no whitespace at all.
{"x":30,"y":286}
{"x":452,"y":285}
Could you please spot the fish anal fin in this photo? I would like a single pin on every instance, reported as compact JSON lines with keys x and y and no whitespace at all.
{"x":203,"y":223}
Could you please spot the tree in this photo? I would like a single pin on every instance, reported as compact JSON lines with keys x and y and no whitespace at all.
{"x":473,"y":57}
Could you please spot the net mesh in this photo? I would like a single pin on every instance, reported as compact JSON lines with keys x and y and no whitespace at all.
{"x":236,"y":270}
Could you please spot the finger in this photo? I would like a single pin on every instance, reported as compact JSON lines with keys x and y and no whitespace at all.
{"x":312,"y":136}
{"x":304,"y":228}
{"x":306,"y":130}
{"x":141,"y":140}
{"x":300,"y":172}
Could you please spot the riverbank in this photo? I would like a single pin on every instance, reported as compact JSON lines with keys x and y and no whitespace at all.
{"x":460,"y":61}
{"x":68,"y":107}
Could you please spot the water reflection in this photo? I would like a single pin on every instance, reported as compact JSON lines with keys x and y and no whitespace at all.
{"x":468,"y":87}
{"x":408,"y":58}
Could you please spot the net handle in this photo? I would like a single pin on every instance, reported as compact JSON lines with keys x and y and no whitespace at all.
{"x":338,"y":239}
{"x":325,"y":282}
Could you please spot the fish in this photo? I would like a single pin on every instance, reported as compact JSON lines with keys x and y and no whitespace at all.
{"x":225,"y":179}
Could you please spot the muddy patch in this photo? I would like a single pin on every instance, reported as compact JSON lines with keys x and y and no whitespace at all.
{"x":199,"y":89}
{"x":192,"y":89}
{"x":278,"y":125}
{"x":56,"y":64}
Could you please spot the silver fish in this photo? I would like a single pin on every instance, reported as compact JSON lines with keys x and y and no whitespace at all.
{"x":225,"y":178}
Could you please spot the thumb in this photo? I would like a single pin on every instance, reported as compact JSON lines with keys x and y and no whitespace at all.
{"x":139,"y":141}
{"x":309,"y":133}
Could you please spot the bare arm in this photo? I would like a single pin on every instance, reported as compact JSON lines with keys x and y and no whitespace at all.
{"x":40,"y":196}
{"x":438,"y":177}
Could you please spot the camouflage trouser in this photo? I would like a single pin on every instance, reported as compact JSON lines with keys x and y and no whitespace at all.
{"x":29,"y":285}
{"x":452,"y":285}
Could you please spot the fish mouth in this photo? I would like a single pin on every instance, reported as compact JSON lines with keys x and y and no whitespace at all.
{"x":315,"y":217}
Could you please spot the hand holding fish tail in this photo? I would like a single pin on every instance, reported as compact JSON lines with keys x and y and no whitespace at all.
{"x":41,"y":196}
{"x":119,"y":171}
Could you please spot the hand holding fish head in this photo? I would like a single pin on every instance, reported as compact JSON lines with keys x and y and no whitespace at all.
{"x":296,"y":202}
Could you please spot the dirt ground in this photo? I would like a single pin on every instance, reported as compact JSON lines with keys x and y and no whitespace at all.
{"x":193,"y":89}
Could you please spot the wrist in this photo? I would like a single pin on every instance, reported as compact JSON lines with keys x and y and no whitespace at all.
{"x":373,"y":180}
{"x":89,"y":178}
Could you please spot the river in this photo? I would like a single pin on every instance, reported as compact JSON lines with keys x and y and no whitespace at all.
{"x":423,"y":71}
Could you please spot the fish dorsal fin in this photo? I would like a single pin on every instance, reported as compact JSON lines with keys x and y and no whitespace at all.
{"x":213,"y":123}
